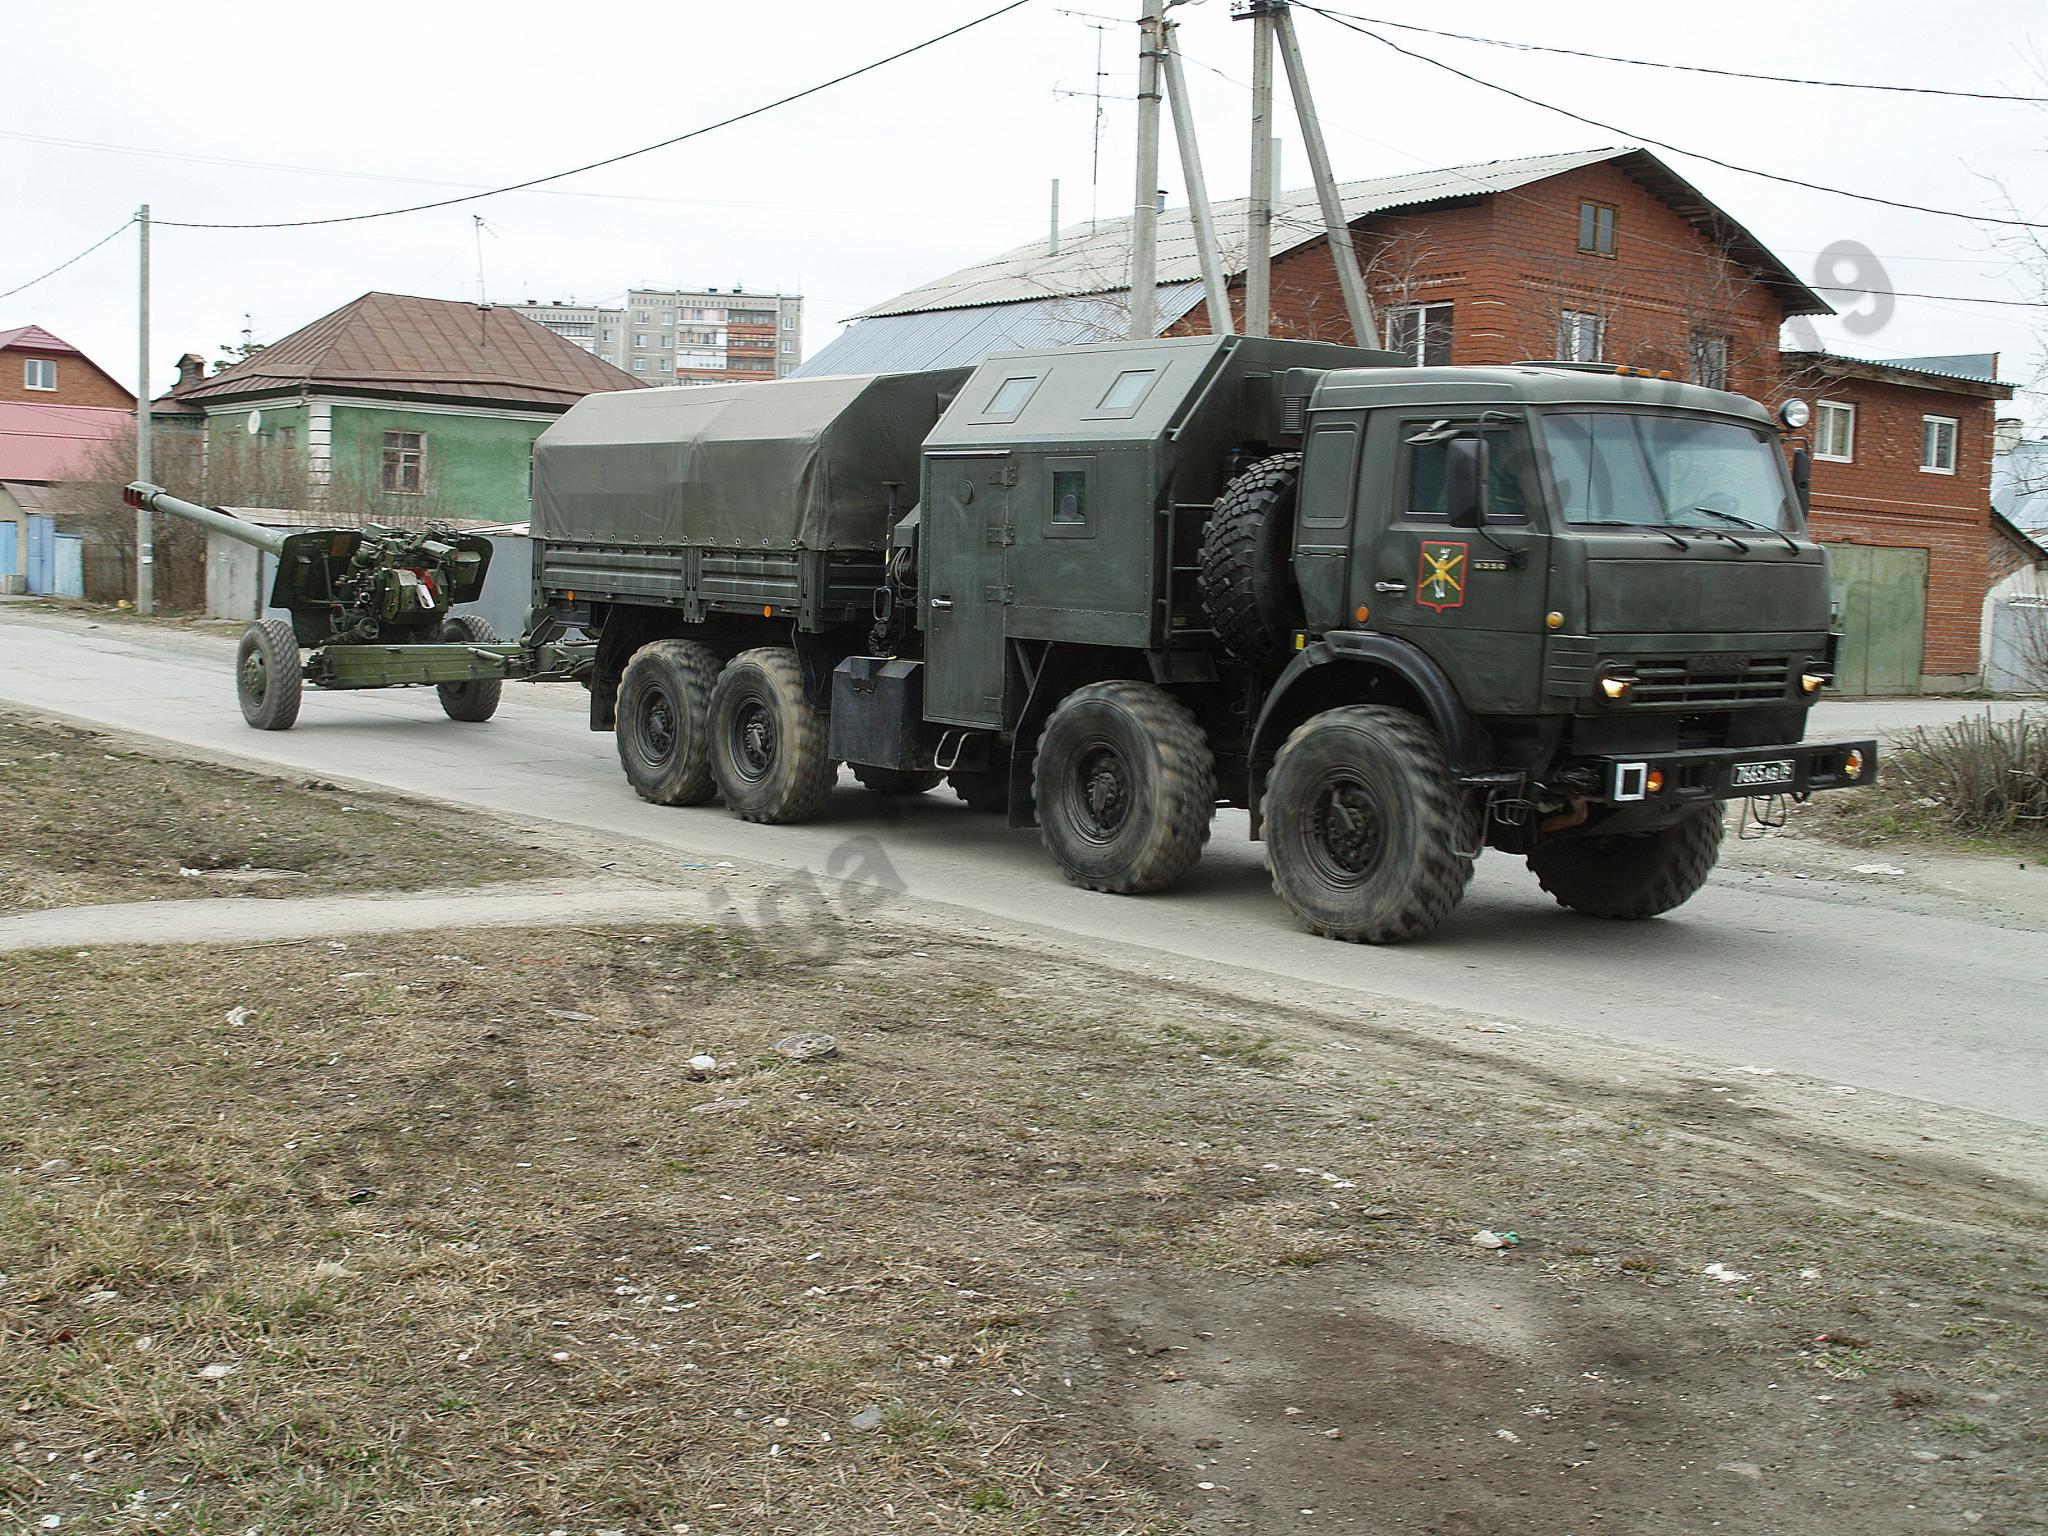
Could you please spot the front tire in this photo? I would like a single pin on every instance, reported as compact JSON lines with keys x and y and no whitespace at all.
{"x":269,"y":681}
{"x":770,"y":751}
{"x":1632,"y":876}
{"x":663,"y":728}
{"x":1366,"y":828}
{"x":1125,"y":785}
{"x":476,"y":700}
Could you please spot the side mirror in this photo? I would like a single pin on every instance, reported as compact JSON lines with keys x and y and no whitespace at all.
{"x":1802,"y":480}
{"x":1465,"y":482}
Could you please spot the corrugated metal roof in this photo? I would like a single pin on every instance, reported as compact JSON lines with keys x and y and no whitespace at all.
{"x":1981,"y":366}
{"x":1099,"y":262}
{"x":51,"y":442}
{"x":1961,"y":376}
{"x":960,"y":338}
{"x":395,"y":344}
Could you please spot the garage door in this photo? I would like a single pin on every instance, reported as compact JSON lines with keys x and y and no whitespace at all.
{"x":1881,"y":596}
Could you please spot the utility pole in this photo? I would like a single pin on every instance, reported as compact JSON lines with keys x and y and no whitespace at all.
{"x":1052,"y":244}
{"x":1357,"y":303}
{"x":1258,"y":273}
{"x":145,"y":551}
{"x":1145,"y":209}
{"x":1213,"y":286}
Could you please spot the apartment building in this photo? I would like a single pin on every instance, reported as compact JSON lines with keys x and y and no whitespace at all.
{"x":686,"y":335}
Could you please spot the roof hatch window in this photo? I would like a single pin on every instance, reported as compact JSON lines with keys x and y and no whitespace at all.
{"x":1128,"y":389}
{"x":1008,"y":400}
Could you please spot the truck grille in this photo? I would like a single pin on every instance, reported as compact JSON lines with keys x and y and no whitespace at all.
{"x":1710,"y":679}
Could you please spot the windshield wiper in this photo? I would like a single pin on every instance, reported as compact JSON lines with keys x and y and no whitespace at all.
{"x":1615,"y":522}
{"x":1743,"y":522}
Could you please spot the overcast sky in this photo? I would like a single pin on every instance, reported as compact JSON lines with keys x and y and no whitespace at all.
{"x":241,"y":112}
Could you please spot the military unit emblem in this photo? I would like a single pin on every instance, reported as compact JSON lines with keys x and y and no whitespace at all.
{"x":1440,"y":580}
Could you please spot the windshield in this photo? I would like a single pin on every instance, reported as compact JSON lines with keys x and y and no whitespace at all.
{"x":1666,"y":471}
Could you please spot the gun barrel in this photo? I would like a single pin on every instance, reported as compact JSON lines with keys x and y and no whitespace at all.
{"x":157,"y":499}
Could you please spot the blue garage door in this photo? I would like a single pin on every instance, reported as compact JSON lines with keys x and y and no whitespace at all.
{"x":10,"y":549}
{"x":42,"y":555}
{"x":69,"y":566}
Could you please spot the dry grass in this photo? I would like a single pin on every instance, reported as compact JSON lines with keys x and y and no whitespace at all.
{"x":1979,"y":784}
{"x":95,"y":818}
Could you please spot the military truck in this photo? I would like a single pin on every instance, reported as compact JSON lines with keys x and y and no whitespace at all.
{"x":1399,"y":614}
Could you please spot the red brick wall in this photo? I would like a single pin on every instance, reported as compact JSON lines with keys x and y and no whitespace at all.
{"x":1883,"y":497}
{"x":78,"y":381}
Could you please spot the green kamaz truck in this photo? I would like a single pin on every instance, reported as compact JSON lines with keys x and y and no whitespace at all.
{"x":1399,"y":614}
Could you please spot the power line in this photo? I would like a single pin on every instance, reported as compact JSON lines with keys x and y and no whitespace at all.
{"x":1690,"y":154}
{"x":694,"y":133}
{"x":1697,"y":69}
{"x":10,"y":293}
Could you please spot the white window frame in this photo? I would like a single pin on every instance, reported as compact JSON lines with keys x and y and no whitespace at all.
{"x":1573,"y":326}
{"x":404,"y":460}
{"x":1821,"y":412}
{"x":639,"y":365}
{"x":33,"y":368}
{"x":1420,"y":349}
{"x":1703,"y":347}
{"x":1955,"y":435}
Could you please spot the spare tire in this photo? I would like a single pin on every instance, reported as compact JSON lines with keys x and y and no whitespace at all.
{"x":1247,"y":569}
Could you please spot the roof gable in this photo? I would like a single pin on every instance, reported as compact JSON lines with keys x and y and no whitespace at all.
{"x":33,"y":338}
{"x":396,"y":344}
{"x":1098,"y":261}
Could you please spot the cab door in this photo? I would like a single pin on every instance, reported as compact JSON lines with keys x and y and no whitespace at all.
{"x":1472,"y":599}
{"x":966,"y":534}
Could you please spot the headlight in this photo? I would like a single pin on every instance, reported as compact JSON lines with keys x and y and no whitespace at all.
{"x":1813,"y":682}
{"x":1616,"y":687}
{"x":1795,"y":414}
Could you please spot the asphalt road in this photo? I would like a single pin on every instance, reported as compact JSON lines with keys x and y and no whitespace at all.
{"x":1848,"y":978}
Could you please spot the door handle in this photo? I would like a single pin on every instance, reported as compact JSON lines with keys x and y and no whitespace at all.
{"x":1390,"y":586}
{"x":942,"y":603}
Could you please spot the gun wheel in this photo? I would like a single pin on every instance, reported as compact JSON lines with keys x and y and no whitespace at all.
{"x":269,"y":680}
{"x":478,"y":699}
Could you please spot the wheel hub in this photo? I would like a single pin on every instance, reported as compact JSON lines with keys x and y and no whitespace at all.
{"x":658,"y":726}
{"x":756,"y":731}
{"x":1345,"y":829}
{"x":1105,"y":791}
{"x":254,"y":675}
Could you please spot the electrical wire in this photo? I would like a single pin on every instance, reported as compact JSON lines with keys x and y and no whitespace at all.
{"x":11,"y":292}
{"x":1697,"y":69}
{"x":1690,"y":154}
{"x":694,"y":133}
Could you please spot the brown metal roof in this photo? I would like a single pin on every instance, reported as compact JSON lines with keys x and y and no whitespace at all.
{"x":395,"y":344}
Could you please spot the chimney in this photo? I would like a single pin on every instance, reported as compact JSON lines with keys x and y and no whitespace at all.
{"x":191,"y":369}
{"x":2005,"y":434}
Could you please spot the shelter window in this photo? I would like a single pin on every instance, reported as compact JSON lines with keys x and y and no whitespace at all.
{"x":39,"y":373}
{"x":1070,"y":496}
{"x":1007,"y":403}
{"x":1127,"y":389}
{"x":405,"y":463}
{"x":1834,"y":432}
{"x":1938,"y":445}
{"x":1596,"y":229}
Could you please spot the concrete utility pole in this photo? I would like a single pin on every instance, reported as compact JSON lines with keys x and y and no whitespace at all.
{"x":1052,"y":244}
{"x":145,"y":551}
{"x":1213,"y":286}
{"x":1258,"y":271}
{"x":1145,"y":208}
{"x":1357,"y":303}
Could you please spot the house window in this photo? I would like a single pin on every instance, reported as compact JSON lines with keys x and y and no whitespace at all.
{"x":789,"y":322}
{"x":405,"y":462}
{"x":1938,"y":445}
{"x":39,"y":373}
{"x":639,"y":338}
{"x":1422,"y":332}
{"x":1596,"y":229}
{"x":1581,"y":336}
{"x":789,"y":346}
{"x":288,"y":439}
{"x":639,"y":317}
{"x":1707,"y":362}
{"x":639,"y":365}
{"x":1834,"y":432}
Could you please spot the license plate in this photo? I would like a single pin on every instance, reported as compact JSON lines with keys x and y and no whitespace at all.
{"x":1750,"y":775}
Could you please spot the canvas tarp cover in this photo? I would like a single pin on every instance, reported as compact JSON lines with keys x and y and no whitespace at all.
{"x":797,"y":463}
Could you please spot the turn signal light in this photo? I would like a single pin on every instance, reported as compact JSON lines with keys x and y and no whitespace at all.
{"x":1852,"y":765}
{"x":1654,"y":782}
{"x":1616,"y":687}
{"x":1813,"y":682}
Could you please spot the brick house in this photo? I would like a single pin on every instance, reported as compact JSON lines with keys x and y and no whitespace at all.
{"x":40,"y":369}
{"x":1604,"y":255}
{"x":58,"y":412}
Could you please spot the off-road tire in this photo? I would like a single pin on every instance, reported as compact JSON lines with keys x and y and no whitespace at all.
{"x":476,"y":700}
{"x":895,"y":781}
{"x":1369,"y":837}
{"x":1631,"y":876}
{"x":1246,"y":575}
{"x":769,"y":748}
{"x":663,"y":724}
{"x":1125,"y":786}
{"x":269,"y":681}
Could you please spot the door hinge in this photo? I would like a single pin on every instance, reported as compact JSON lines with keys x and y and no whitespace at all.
{"x":1006,"y":475}
{"x":1000,"y":592}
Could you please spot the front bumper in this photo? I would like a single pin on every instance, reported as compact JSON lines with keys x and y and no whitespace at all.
{"x":1734,"y":773}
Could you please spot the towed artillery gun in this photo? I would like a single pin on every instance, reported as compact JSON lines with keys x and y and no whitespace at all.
{"x":373,"y":607}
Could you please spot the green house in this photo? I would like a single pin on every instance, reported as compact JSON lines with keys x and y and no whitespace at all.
{"x":391,"y":408}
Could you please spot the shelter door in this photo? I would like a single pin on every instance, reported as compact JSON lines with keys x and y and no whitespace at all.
{"x":1881,"y":595}
{"x":966,"y":533}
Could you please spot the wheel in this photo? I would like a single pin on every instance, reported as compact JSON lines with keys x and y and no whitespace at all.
{"x":477,"y":700}
{"x":664,"y":721}
{"x":1246,"y":576}
{"x":268,"y":677}
{"x":895,"y":781}
{"x":769,"y":748}
{"x":1125,"y":785}
{"x":1368,"y":832}
{"x":1632,"y":875}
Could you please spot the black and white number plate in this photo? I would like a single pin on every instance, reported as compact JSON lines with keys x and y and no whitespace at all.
{"x":1757,"y":775}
